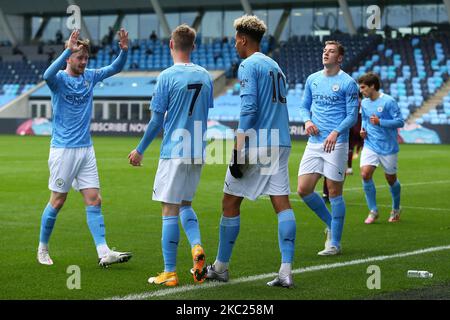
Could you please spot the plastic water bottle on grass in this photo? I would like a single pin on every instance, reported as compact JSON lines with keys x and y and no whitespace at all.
{"x":419,"y":274}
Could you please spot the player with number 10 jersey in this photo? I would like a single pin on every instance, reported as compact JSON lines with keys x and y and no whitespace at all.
{"x":264,"y":121}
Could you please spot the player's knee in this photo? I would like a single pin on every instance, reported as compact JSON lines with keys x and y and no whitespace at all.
{"x":391,"y":179}
{"x":57,"y":203}
{"x":303,"y":192}
{"x":94,"y":200}
{"x":230,"y":207}
{"x":334,"y":189}
{"x":333,"y":193}
{"x":366,"y":176}
{"x":280,"y":203}
{"x":57,"y":200}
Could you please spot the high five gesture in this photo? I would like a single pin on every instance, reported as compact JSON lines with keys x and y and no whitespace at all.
{"x":73,"y":41}
{"x":123,"y":39}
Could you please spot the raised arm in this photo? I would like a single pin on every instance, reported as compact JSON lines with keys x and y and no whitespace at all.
{"x":60,"y":62}
{"x":119,"y":62}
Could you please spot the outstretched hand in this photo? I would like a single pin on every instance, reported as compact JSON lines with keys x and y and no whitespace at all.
{"x":123,"y":39}
{"x":72,"y":44}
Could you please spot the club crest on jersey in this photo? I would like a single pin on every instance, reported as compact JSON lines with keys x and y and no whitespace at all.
{"x":59,"y":183}
{"x":380,"y":109}
{"x":335,"y":87}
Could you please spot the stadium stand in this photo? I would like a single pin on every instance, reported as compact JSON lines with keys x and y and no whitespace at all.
{"x":298,"y":58}
{"x":412,"y":68}
{"x":21,"y":68}
{"x":146,"y":54}
{"x":438,"y":115}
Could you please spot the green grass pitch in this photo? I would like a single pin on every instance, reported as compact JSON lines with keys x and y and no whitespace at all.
{"x":133,"y":222}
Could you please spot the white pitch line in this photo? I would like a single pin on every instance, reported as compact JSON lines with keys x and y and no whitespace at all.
{"x":403,"y":185}
{"x":182,"y":289}
{"x":403,"y":207}
{"x":379,"y":205}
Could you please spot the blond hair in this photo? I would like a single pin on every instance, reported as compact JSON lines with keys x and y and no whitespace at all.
{"x":251,"y":26}
{"x":84,"y":43}
{"x":183,"y":37}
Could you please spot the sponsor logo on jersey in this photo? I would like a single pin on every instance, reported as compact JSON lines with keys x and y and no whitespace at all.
{"x":77,"y":100}
{"x":324,"y":99}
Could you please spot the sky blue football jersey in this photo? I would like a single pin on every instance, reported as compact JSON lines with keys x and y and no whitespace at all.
{"x":72,"y":100}
{"x":331,"y":103}
{"x":185,"y":92}
{"x":382,"y":138}
{"x":263,"y":93}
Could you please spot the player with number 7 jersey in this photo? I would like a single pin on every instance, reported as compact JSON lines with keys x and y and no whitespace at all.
{"x":181,"y":101}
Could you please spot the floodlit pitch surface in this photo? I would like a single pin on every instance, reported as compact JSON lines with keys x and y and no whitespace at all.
{"x":421,"y":240}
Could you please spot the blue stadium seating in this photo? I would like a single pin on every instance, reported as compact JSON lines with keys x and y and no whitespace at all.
{"x":411,"y":68}
{"x":439,"y":115}
{"x":27,"y":67}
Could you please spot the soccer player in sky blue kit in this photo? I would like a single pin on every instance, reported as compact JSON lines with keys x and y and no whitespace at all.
{"x":72,"y":159}
{"x":381,"y":117}
{"x":329,"y":109}
{"x":264,"y":120}
{"x":184,"y":92}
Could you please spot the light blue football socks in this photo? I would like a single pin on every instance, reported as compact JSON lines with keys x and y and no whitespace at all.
{"x":286,"y":235}
{"x":229,"y":230}
{"x":47,"y":223}
{"x":169,"y":242}
{"x":96,"y":224}
{"x":190,"y":225}
{"x":337,"y":222}
{"x":395,"y":192}
{"x":371,"y":194}
{"x":315,"y":202}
